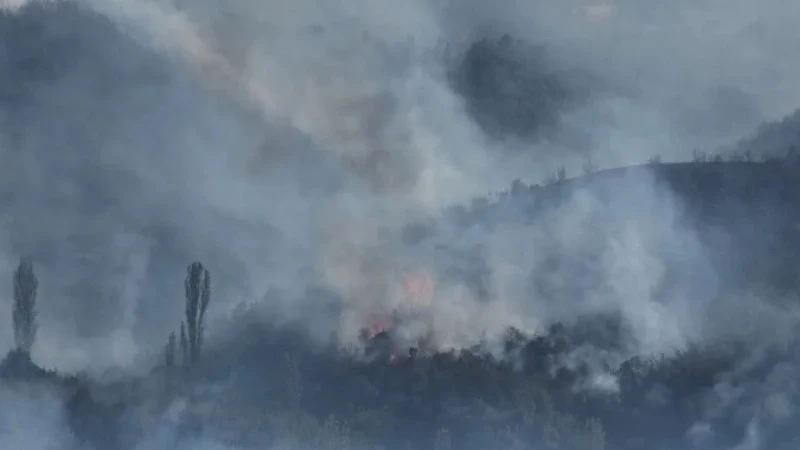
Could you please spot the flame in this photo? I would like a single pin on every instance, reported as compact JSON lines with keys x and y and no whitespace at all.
{"x":419,"y":291}
{"x":379,"y":325}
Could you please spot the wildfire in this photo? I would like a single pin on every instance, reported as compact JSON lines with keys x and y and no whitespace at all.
{"x":379,"y":325}
{"x":418,"y":291}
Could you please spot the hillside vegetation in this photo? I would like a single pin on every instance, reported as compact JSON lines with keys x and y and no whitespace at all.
{"x":269,"y":387}
{"x":645,"y":307}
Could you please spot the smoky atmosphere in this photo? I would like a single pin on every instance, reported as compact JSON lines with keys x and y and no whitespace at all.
{"x":428,"y":224}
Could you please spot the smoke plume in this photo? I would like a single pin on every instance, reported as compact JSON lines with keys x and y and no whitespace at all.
{"x":288,"y":147}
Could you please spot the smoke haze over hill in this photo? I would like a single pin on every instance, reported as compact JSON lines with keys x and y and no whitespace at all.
{"x":333,"y":165}
{"x":287,"y":146}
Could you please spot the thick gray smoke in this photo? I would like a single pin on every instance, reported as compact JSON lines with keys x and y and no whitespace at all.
{"x":287,"y":145}
{"x":33,"y":418}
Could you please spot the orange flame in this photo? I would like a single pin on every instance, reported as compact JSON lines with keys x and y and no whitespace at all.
{"x":419,"y":289}
{"x":380,"y":325}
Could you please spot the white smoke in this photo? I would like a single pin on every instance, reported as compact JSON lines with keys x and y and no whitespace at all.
{"x":356,"y":94}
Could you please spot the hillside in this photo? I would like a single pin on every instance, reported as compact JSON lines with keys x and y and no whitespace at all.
{"x":646,"y":307}
{"x":773,"y":139}
{"x":270,"y":387}
{"x":741,"y":217}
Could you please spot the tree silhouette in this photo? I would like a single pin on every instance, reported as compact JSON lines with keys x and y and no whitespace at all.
{"x":169,"y":351}
{"x":198,"y":294}
{"x":24,"y":310}
{"x":184,"y":346}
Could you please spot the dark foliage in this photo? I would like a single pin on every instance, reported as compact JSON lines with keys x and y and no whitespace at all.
{"x":24,"y":313}
{"x":18,"y":365}
{"x":269,"y":387}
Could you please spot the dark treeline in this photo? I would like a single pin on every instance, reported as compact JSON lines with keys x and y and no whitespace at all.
{"x":263,"y":386}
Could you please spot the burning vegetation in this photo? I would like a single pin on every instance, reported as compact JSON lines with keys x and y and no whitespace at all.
{"x":416,"y":298}
{"x":379,"y":325}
